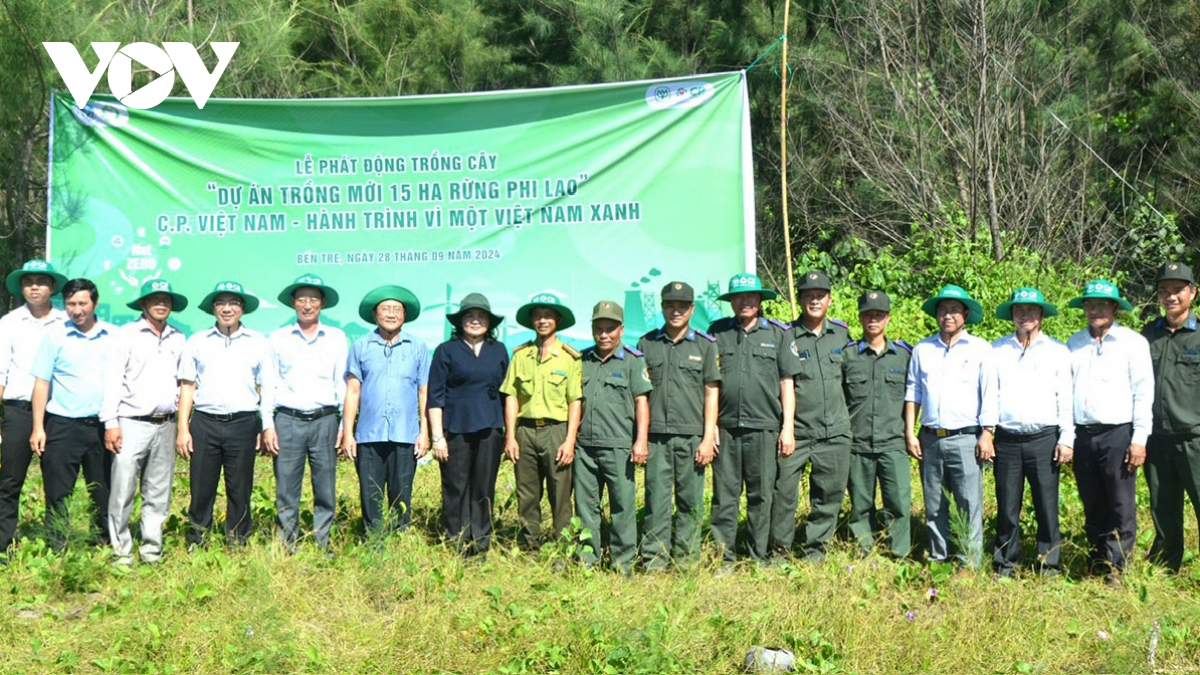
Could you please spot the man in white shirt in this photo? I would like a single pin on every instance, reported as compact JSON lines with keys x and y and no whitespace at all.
{"x":1113,"y":378}
{"x":1031,"y":408}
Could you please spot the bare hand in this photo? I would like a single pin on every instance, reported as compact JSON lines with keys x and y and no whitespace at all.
{"x":37,"y":441}
{"x":787,"y":443}
{"x":913,"y":445}
{"x":270,"y":443}
{"x":984,"y":449}
{"x":641,"y":452}
{"x":1135,"y":456}
{"x":441,"y":451}
{"x":183,"y":443}
{"x":1063,"y":454}
{"x":566,"y":454}
{"x":512,"y":450}
{"x":112,"y":440}
{"x":705,"y":452}
{"x":421,"y":446}
{"x":349,"y":448}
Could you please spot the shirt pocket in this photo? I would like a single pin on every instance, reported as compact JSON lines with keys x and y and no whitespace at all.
{"x":524,"y":385}
{"x":835,"y":366}
{"x":1189,"y":368}
{"x":895,"y":383}
{"x":857,"y":384}
{"x":691,"y":373}
{"x":766,"y":362}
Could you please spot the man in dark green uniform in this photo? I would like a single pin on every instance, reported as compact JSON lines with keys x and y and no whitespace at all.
{"x":822,"y":426}
{"x":756,"y":416}
{"x":544,"y":385}
{"x":873,"y":375}
{"x":1173,"y":452}
{"x":683,"y":429}
{"x":612,"y":437}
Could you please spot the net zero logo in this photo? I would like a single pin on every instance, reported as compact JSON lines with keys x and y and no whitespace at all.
{"x":678,"y":95}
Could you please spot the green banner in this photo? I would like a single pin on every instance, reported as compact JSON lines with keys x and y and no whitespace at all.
{"x":601,"y":192}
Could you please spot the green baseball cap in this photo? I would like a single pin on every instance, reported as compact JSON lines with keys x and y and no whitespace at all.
{"x":1025,"y":296}
{"x":874,"y":300}
{"x":607,"y":309}
{"x":814,"y":279}
{"x":249,"y":302}
{"x":1101,"y":289}
{"x":330,"y":295}
{"x":412,"y":306}
{"x":678,"y":291}
{"x":747,"y":283}
{"x":551,"y":301}
{"x":35,"y":266}
{"x":952,"y":292}
{"x":178,"y":302}
{"x":1175,"y":271}
{"x":474,"y":301}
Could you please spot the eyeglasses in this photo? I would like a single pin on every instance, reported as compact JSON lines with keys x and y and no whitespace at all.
{"x":227,"y":303}
{"x":305,"y":302}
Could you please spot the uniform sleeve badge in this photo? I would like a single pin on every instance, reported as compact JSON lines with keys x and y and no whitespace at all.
{"x":795,"y":350}
{"x":646,"y":374}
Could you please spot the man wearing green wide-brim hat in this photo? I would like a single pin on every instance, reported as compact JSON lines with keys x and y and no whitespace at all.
{"x":947,"y":385}
{"x":1113,"y":380}
{"x":544,"y":385}
{"x":1031,"y":409}
{"x":36,"y":266}
{"x":756,"y":416}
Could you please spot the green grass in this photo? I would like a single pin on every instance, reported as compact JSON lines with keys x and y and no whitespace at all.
{"x":410,"y":605}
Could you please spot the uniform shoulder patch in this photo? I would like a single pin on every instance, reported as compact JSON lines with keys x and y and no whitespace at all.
{"x":631,"y":350}
{"x":903,"y":345}
{"x":852,"y":343}
{"x":706,"y":336}
{"x":524,"y":346}
{"x":571,"y":350}
{"x":780,"y":324}
{"x":839,"y":322}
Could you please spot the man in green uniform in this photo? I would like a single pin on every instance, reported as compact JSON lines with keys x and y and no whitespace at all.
{"x":683,"y":429}
{"x":822,"y":426}
{"x":1173,"y":453}
{"x":873,"y":374}
{"x":544,"y":385}
{"x":756,"y":416}
{"x":612,"y":437}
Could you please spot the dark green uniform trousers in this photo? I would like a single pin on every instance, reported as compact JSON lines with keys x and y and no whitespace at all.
{"x":894,"y":474}
{"x":671,"y":471}
{"x":747,"y":457}
{"x":1172,"y":469}
{"x":830,"y":459}
{"x":539,"y":446}
{"x":596,"y":469}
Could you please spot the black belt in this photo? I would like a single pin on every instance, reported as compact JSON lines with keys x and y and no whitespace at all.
{"x":159,"y":418}
{"x":227,"y":417}
{"x":1005,"y":434}
{"x":947,"y":433}
{"x":523,"y":422}
{"x":308,"y":415}
{"x":19,"y":405}
{"x":1097,"y":429}
{"x":87,"y":421}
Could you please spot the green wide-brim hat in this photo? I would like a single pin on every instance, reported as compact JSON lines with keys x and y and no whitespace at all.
{"x":35,"y":266}
{"x":412,"y":306}
{"x":952,"y":292}
{"x":474,"y":301}
{"x":331,"y":296}
{"x":1101,"y":289}
{"x":548,"y":300}
{"x":249,"y":302}
{"x":1025,"y":296}
{"x":178,"y":302}
{"x":747,"y":283}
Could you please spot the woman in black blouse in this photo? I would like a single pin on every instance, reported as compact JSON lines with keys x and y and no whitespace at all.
{"x":466,"y":421}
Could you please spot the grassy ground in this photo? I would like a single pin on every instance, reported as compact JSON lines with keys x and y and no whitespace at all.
{"x":410,"y":605}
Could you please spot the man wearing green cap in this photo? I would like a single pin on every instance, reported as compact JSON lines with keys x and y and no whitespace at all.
{"x":683,"y":430}
{"x":822,"y":426}
{"x":387,"y":379}
{"x":756,"y":416}
{"x":220,"y":376}
{"x":21,"y":332}
{"x":1173,"y":452}
{"x":141,"y":395}
{"x":873,"y":370}
{"x":544,"y":385}
{"x":1113,"y":380}
{"x":948,"y":381}
{"x":1031,"y":407}
{"x":305,"y":387}
{"x":612,"y":437}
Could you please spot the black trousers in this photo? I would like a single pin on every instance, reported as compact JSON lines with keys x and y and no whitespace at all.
{"x":217,"y":445}
{"x":1108,"y":490}
{"x":72,"y":443}
{"x":1021,"y":458}
{"x":469,"y":487}
{"x":15,"y":456}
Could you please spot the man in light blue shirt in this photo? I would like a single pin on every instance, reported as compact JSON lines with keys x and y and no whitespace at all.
{"x":387,"y":381}
{"x":68,"y":391}
{"x":948,"y":381}
{"x":305,"y":386}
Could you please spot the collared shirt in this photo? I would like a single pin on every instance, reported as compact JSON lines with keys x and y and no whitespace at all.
{"x":679,"y":372}
{"x":467,"y":387}
{"x":544,"y":387}
{"x":951,"y":382}
{"x":874,"y":389}
{"x":74,"y":363}
{"x":228,"y":370}
{"x":1176,"y":358}
{"x":305,"y":374}
{"x":610,"y":387}
{"x":1113,"y":379}
{"x":391,"y":375}
{"x":1031,"y":388}
{"x":820,"y":402}
{"x":752,"y":364}
{"x":20,"y":336}
{"x":141,"y":372}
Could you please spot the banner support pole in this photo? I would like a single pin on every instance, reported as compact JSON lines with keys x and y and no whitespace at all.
{"x":787,"y":225}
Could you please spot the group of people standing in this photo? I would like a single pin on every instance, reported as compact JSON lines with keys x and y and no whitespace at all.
{"x":763,"y":401}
